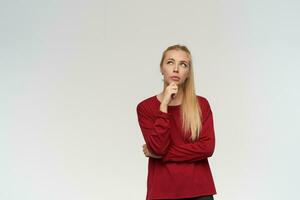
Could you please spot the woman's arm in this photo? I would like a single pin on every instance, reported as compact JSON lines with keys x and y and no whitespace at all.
{"x":148,"y":153}
{"x":155,"y":129}
{"x":200,"y":149}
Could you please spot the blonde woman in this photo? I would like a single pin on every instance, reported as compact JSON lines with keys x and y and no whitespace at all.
{"x":177,"y":126}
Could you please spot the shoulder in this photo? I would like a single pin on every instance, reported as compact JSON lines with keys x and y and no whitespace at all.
{"x":145,"y":103}
{"x":202,"y":99}
{"x":203,"y":102}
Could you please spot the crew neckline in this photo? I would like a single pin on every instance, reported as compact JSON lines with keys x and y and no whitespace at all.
{"x":170,"y":106}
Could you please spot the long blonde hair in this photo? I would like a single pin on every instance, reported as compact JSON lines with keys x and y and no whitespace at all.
{"x":191,"y":114}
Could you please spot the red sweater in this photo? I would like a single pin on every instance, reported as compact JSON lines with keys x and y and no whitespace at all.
{"x":183,"y":171}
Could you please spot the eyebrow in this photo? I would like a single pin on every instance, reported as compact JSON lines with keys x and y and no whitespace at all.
{"x":180,"y":61}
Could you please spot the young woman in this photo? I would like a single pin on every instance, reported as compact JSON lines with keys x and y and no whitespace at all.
{"x":177,"y":126}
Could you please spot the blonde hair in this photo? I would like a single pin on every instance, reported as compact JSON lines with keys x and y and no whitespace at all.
{"x":191,"y":114}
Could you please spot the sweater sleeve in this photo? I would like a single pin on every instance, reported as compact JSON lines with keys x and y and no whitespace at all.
{"x":198,"y":150}
{"x":155,"y":129}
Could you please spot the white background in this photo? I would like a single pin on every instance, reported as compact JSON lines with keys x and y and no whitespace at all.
{"x":72,"y":73}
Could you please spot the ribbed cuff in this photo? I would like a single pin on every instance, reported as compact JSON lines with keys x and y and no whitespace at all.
{"x":163,"y":114}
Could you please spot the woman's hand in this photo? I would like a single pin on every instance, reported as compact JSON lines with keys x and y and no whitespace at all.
{"x":170,"y":93}
{"x":148,"y":153}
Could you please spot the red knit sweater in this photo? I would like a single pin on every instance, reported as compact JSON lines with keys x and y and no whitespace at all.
{"x":183,"y":171}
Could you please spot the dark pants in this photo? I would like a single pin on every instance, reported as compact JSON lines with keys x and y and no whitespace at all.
{"x":209,"y":197}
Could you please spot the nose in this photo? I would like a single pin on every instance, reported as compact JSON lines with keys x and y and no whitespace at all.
{"x":175,"y":68}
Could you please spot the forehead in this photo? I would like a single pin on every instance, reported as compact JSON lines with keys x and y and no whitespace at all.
{"x":177,"y":55}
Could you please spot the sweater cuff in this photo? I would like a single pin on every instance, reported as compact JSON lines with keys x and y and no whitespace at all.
{"x":163,"y":114}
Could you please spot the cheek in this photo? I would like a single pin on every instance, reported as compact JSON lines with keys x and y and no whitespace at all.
{"x":164,"y":69}
{"x":167,"y":70}
{"x":186,"y":74}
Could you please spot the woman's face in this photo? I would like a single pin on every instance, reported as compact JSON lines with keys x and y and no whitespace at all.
{"x":175,"y":66}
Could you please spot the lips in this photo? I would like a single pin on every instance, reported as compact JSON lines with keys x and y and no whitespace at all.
{"x":175,"y":77}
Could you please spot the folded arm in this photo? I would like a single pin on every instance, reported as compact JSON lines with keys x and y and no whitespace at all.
{"x":198,"y":150}
{"x":155,"y":129}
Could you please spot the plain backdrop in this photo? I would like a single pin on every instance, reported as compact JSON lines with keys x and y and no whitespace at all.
{"x":73,"y":72}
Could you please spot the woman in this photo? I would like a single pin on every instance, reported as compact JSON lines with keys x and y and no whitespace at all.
{"x":177,"y":126}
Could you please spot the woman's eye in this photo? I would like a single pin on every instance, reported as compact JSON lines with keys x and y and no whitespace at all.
{"x":184,"y":64}
{"x":169,"y":62}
